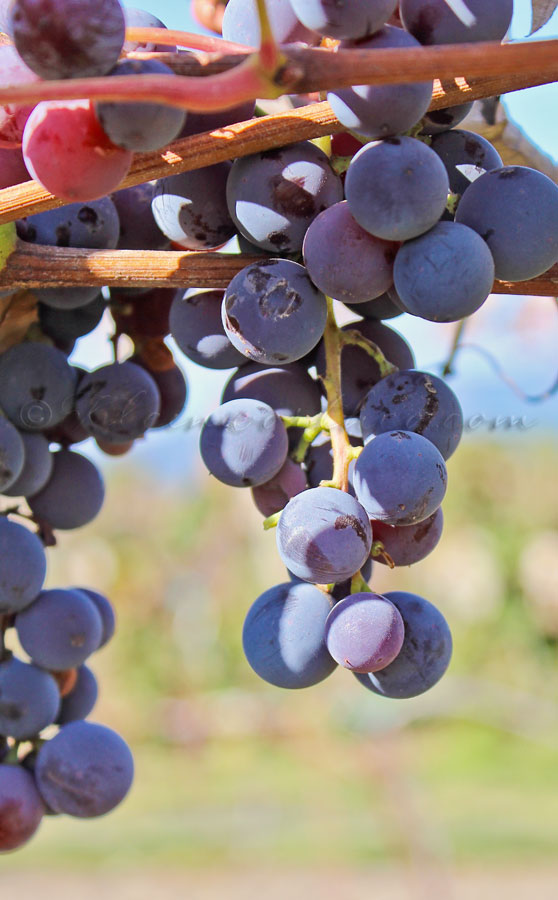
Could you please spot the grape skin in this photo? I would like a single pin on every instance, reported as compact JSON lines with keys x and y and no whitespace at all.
{"x":414,"y":401}
{"x":37,"y":466}
{"x":138,"y":228}
{"x":400,"y":478}
{"x":32,"y":370}
{"x":272,"y":312}
{"x":364,"y":632}
{"x":284,"y":636}
{"x":438,"y":121}
{"x":12,"y":454}
{"x":13,"y":117}
{"x":272,"y":496}
{"x":12,"y":167}
{"x":85,"y":770}
{"x":289,"y":390}
{"x":191,"y":208}
{"x":464,"y":148}
{"x":60,"y":629}
{"x":106,"y":612}
{"x":173,"y":390}
{"x":409,"y":544}
{"x":22,"y":566}
{"x":424,"y":656}
{"x":340,"y":19}
{"x":396,"y":189}
{"x":81,"y":699}
{"x":243,"y":443}
{"x":73,"y":495}
{"x":118,"y":402}
{"x":196,"y":326}
{"x":140,"y":18}
{"x":241,"y":23}
{"x":65,"y":326}
{"x":29,"y":699}
{"x":324,"y":535}
{"x":515,"y":210}
{"x":434,"y":22}
{"x":21,"y":807}
{"x":383,"y":307}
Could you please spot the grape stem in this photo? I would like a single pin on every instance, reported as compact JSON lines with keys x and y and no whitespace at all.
{"x":334,"y":418}
{"x":378,"y":550}
{"x":455,"y":344}
{"x":354,"y":337}
{"x":359,"y":585}
{"x":168,"y":37}
{"x":272,"y":521}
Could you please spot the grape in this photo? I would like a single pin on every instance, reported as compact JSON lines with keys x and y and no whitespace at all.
{"x":12,"y":454}
{"x":424,"y":656}
{"x":173,"y":390}
{"x":146,"y":315}
{"x":65,"y":326}
{"x":396,"y":189}
{"x":414,"y":401}
{"x":191,"y":208}
{"x":196,"y":325}
{"x":95,"y":225}
{"x":13,"y":116}
{"x":36,"y":385}
{"x":243,"y":443}
{"x":464,"y":148}
{"x":359,"y":371}
{"x":343,"y":588}
{"x":29,"y":699}
{"x":274,"y":494}
{"x":138,"y":228}
{"x":241,"y":23}
{"x":140,"y":127}
{"x":434,"y":22}
{"x":364,"y":632}
{"x":345,"y":261}
{"x":344,"y":18}
{"x":284,"y":636}
{"x":445,"y":274}
{"x":118,"y":402}
{"x":21,"y":807}
{"x":383,"y":307}
{"x":409,"y":544}
{"x":273,"y":196}
{"x":324,"y":535}
{"x":197,"y":123}
{"x":60,"y":629}
{"x":140,"y":18}
{"x":68,"y":38}
{"x":85,"y":770}
{"x":37,"y":466}
{"x":289,"y":390}
{"x":515,"y":210}
{"x":68,"y":153}
{"x":436,"y":121}
{"x":12,"y":167}
{"x":273,"y":313}
{"x":106,"y":611}
{"x":400,"y":478}
{"x":81,"y":699}
{"x":22,"y":566}
{"x":379,"y":111}
{"x":73,"y":495}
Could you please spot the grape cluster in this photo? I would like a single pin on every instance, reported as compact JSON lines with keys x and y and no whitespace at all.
{"x":342,"y":441}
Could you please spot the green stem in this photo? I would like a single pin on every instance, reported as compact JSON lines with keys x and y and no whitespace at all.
{"x":307,"y":437}
{"x":452,"y":202}
{"x":334,"y":418}
{"x":378,"y":550}
{"x":302,"y":421}
{"x":272,"y":521}
{"x":354,"y":337}
{"x":448,"y":365}
{"x":359,"y":585}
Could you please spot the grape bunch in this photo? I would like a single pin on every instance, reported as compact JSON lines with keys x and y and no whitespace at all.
{"x":341,"y":439}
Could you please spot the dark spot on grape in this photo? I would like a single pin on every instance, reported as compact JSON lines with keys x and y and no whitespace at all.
{"x":26,"y":232}
{"x":292,"y":198}
{"x":38,"y":393}
{"x":423,"y":25}
{"x":63,"y":234}
{"x":279,"y":302}
{"x":441,"y":472}
{"x":88,"y":216}
{"x":512,"y":172}
{"x":257,"y":279}
{"x":488,"y":234}
{"x":400,"y":435}
{"x":348,"y":521}
{"x":278,"y":239}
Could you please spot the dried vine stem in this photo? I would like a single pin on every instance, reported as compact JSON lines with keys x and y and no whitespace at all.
{"x":253,"y":136}
{"x":32,"y":266}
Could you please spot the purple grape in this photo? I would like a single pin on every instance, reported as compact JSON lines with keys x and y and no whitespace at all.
{"x":435,"y":22}
{"x":60,"y":629}
{"x":273,"y":196}
{"x":351,"y":19}
{"x":29,"y":699}
{"x":343,"y":588}
{"x":81,"y":699}
{"x":243,"y":443}
{"x":196,"y":326}
{"x":396,"y":189}
{"x":106,"y":611}
{"x":241,"y":23}
{"x":138,"y":228}
{"x":383,"y":307}
{"x":22,"y":566}
{"x":141,"y":127}
{"x":400,"y":478}
{"x":65,"y":326}
{"x":21,"y":807}
{"x":324,"y":535}
{"x":68,"y":38}
{"x":140,"y":18}
{"x":414,"y":401}
{"x":197,"y":123}
{"x":515,"y":210}
{"x":273,"y":495}
{"x":379,"y":111}
{"x":12,"y":454}
{"x":409,"y":544}
{"x":464,"y":148}
{"x":436,"y":121}
{"x":173,"y":389}
{"x":364,"y":632}
{"x":118,"y":402}
{"x":191,"y":208}
{"x":424,"y":656}
{"x":289,"y":390}
{"x":37,"y":466}
{"x":37,"y":386}
{"x":284,"y":636}
{"x":445,"y":274}
{"x":273,"y":313}
{"x":72,"y":496}
{"x":85,"y":770}
{"x":345,"y":261}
